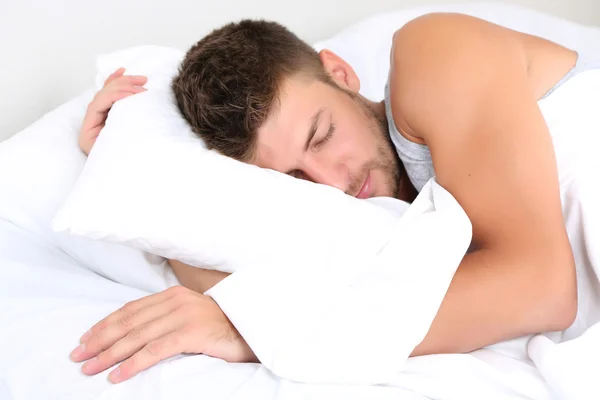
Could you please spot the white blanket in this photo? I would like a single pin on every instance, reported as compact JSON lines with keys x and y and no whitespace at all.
{"x":47,"y":300}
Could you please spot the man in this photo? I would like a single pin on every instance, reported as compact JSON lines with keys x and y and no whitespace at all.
{"x":461,"y":104}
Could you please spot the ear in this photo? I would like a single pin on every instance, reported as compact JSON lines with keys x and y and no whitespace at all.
{"x":341,"y":72}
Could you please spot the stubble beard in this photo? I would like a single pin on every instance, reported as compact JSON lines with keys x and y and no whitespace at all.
{"x":387,"y":160}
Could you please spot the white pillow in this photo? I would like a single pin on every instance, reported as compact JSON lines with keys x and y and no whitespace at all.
{"x":150,"y":183}
{"x":38,"y":168}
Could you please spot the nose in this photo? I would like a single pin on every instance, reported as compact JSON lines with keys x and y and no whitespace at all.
{"x":328,"y":173}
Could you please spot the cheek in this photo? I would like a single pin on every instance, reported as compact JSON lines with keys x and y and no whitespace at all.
{"x":347,"y":147}
{"x":360,"y":146}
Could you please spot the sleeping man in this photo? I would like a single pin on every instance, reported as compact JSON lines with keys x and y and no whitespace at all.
{"x":461,"y":104}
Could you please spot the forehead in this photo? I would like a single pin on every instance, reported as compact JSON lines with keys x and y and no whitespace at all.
{"x":281,"y":139}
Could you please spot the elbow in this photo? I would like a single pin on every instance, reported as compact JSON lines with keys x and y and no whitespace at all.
{"x":561,"y":294}
{"x":565,"y":312}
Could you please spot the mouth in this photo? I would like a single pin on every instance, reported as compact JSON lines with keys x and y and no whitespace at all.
{"x":365,"y":190}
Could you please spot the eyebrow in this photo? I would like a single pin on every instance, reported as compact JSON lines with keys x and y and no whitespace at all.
{"x":313,"y":128}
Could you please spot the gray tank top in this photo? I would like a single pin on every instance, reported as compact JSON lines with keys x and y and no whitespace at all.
{"x":417,"y":158}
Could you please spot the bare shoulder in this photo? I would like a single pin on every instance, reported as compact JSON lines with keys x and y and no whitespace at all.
{"x":444,"y":20}
{"x":452,"y":35}
{"x":442,"y":63}
{"x":438,"y":62}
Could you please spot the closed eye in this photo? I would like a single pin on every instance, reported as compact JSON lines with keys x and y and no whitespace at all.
{"x":327,"y":136}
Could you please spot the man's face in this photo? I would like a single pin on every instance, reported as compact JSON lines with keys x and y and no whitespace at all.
{"x":330,"y":136}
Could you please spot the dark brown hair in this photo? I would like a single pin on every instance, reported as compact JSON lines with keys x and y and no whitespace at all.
{"x":229,"y":82}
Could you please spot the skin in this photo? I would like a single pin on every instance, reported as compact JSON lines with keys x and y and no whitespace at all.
{"x":116,"y":87}
{"x":468,"y":90}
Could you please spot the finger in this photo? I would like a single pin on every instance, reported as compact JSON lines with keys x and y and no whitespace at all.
{"x":128,"y":308}
{"x":114,"y":75}
{"x":120,"y":96}
{"x":151,"y":354}
{"x":118,"y":326}
{"x":102,"y":105}
{"x":92,"y":133}
{"x":129,"y":89}
{"x":135,"y":340}
{"x":125,"y":80}
{"x":138,"y":89}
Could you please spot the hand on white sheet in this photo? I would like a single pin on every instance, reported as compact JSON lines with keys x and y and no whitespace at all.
{"x":153,"y":328}
{"x":116,"y":87}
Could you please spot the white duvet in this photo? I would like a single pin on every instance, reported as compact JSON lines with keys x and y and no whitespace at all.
{"x":48,"y":299}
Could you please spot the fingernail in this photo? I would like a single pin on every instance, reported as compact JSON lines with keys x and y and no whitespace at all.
{"x":86,"y":336}
{"x":89,"y":364}
{"x":114,"y":375}
{"x":78,"y":351}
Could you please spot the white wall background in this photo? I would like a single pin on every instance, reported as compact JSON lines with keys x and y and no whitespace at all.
{"x":48,"y":46}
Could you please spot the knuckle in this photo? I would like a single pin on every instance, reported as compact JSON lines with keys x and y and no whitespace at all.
{"x":129,"y":367}
{"x":123,"y":81}
{"x":178,"y":292}
{"x":127,"y":308}
{"x":116,"y":95}
{"x":176,"y":289}
{"x":135,"y":334}
{"x":166,"y":345}
{"x":155,"y":348}
{"x":126,"y":320}
{"x":109,"y":84}
{"x":100,"y":327}
{"x":95,"y":341}
{"x":106,"y":356}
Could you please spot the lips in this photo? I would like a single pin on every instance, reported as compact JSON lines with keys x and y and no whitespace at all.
{"x":365,"y":190}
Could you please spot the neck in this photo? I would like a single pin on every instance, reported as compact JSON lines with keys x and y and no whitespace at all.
{"x":406,"y":190}
{"x":379,"y":109}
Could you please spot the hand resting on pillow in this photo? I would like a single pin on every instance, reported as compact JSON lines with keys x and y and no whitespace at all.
{"x":116,"y":87}
{"x":159,"y":326}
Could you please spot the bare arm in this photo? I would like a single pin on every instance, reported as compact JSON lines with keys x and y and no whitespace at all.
{"x":197,"y":279}
{"x":473,"y":106}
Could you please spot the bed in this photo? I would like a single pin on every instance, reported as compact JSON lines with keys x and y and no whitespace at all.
{"x":54,"y":286}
